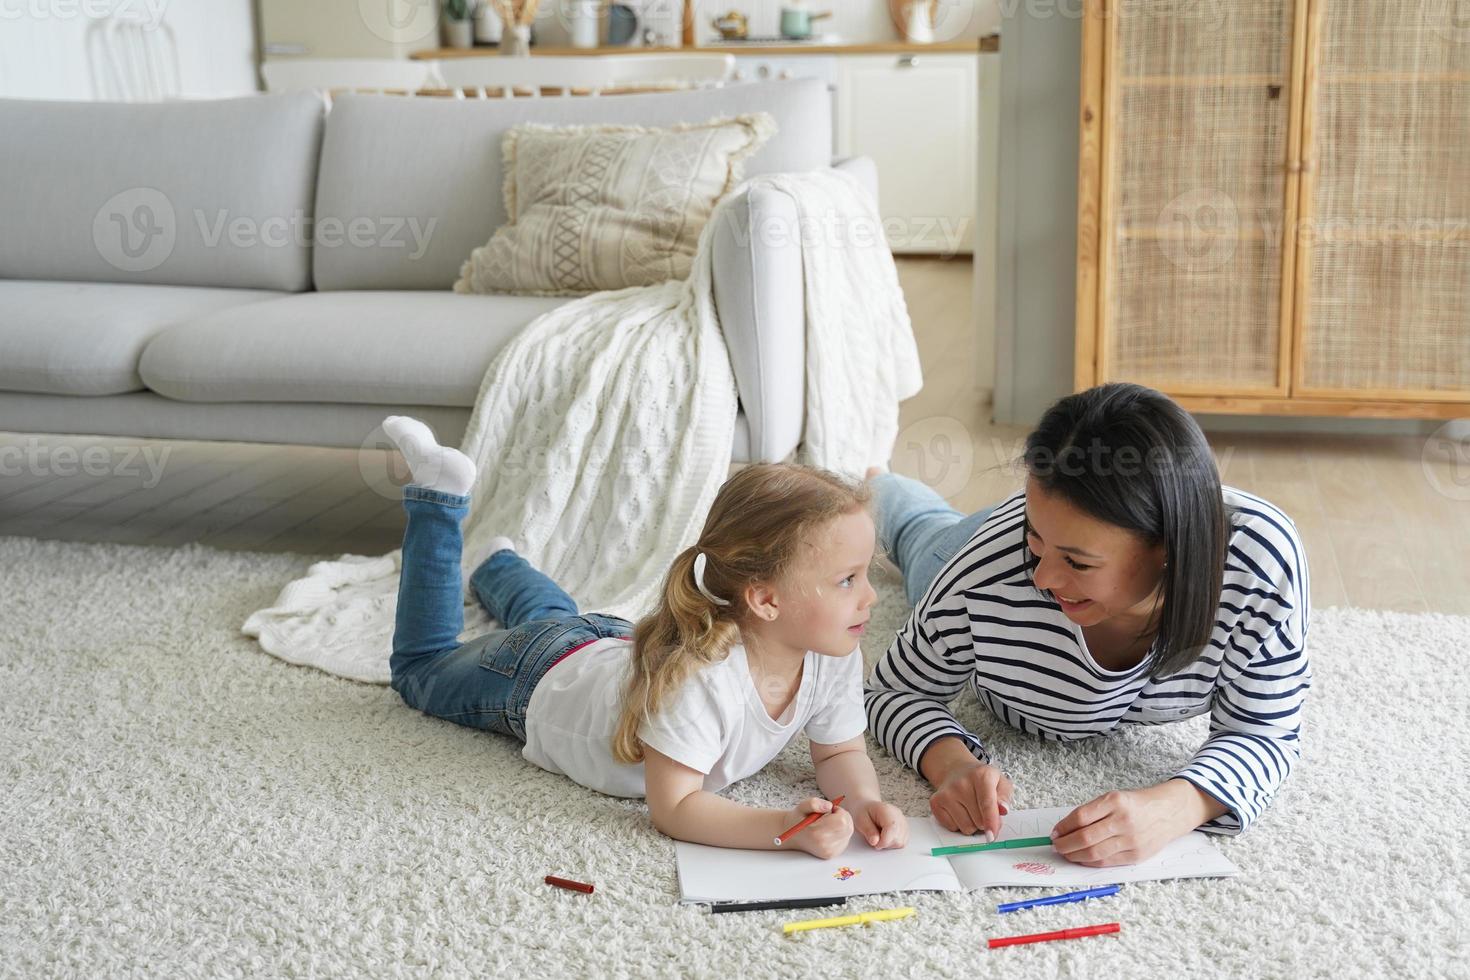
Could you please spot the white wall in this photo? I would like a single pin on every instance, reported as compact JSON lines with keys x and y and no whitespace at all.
{"x":43,"y":52}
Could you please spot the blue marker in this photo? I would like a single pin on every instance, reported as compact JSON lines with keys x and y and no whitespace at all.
{"x":1082,"y":896}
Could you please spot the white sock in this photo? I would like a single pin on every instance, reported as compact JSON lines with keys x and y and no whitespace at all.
{"x":500,"y":544}
{"x":431,"y":465}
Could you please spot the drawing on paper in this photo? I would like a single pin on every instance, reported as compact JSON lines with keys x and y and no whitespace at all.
{"x":1034,"y":868}
{"x":844,"y":873}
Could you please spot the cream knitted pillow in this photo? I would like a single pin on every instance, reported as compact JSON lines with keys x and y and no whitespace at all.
{"x":607,"y":207}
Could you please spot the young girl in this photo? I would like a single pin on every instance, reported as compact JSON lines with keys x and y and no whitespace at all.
{"x":755,"y":639}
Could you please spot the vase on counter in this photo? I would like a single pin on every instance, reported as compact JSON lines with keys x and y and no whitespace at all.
{"x":516,"y":41}
{"x":459,"y":33}
{"x":584,"y":22}
{"x":488,"y":25}
{"x":919,"y":25}
{"x":915,"y":19}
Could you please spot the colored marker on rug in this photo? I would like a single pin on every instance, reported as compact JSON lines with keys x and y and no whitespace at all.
{"x":781,"y":903}
{"x":1046,"y":937}
{"x":861,"y":919}
{"x":569,"y":885}
{"x":1000,"y":845}
{"x":1081,"y":896}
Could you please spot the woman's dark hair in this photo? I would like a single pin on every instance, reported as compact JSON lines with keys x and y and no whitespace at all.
{"x":1131,"y":457}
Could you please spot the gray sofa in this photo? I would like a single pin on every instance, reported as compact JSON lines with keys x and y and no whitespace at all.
{"x":260,"y":270}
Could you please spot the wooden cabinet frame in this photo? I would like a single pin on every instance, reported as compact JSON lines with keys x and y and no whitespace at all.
{"x":1096,"y":237}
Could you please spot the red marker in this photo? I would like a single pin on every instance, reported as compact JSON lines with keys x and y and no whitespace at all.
{"x":1046,"y":937}
{"x":810,"y":819}
{"x":568,"y":884}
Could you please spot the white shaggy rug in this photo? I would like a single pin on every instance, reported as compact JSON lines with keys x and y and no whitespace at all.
{"x":177,"y":803}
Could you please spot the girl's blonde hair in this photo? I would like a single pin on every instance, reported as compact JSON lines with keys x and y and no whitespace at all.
{"x":753,"y":533}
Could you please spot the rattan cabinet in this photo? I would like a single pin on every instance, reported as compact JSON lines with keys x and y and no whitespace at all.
{"x":1274,"y":204}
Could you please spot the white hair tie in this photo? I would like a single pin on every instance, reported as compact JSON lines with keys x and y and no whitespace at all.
{"x":700,"y":561}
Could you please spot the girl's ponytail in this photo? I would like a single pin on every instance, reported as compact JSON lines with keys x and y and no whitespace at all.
{"x":689,"y":630}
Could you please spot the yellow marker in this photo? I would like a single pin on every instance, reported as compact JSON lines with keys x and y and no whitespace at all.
{"x":883,"y":915}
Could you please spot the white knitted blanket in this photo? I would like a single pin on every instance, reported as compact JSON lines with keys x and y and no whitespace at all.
{"x":604,"y":429}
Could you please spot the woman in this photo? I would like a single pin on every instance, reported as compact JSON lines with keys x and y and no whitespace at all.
{"x":1123,"y":585}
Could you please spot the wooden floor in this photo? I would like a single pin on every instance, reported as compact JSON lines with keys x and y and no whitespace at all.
{"x":1385,"y":520}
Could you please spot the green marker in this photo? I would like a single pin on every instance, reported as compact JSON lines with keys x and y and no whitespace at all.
{"x":999,"y":845}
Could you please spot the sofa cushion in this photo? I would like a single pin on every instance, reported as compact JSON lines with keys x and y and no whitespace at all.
{"x":608,"y":207}
{"x":215,"y":193}
{"x":433,"y":190}
{"x":85,"y":338}
{"x":406,"y":348}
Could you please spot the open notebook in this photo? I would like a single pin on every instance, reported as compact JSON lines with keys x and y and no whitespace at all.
{"x":722,"y":874}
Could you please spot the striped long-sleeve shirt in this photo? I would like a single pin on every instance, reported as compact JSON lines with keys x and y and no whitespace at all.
{"x":983,"y":625}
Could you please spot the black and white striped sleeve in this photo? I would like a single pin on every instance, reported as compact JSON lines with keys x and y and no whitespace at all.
{"x":927,"y":666}
{"x":1256,"y":707}
{"x":933,"y":657}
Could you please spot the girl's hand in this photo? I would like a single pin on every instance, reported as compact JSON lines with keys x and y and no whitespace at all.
{"x":882,"y":825}
{"x":1128,"y":826}
{"x":826,"y":838}
{"x":972,"y":798}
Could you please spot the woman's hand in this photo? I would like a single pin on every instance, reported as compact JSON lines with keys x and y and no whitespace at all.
{"x":971,"y":798}
{"x":1132,"y":825}
{"x":882,"y":825}
{"x":826,"y":838}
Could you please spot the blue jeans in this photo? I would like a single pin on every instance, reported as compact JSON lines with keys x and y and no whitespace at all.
{"x":487,"y":682}
{"x":919,"y":530}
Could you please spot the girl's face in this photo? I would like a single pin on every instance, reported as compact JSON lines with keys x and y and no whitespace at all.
{"x":823,"y":602}
{"x":1094,"y":570}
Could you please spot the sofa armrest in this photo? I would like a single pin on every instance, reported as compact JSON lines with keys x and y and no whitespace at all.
{"x":759,"y":296}
{"x":864,"y":169}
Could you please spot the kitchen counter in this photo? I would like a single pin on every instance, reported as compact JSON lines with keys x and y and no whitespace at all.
{"x":969,"y":45}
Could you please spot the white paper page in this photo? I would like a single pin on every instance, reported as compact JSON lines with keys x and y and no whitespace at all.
{"x":1191,"y":856}
{"x":724,"y":874}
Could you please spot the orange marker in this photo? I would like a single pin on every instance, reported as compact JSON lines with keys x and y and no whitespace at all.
{"x":810,"y":819}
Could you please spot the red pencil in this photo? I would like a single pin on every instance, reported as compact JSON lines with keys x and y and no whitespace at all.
{"x":567,"y":883}
{"x":1044,"y":937}
{"x":810,"y":819}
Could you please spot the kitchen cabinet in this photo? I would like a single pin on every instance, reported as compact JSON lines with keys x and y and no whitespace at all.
{"x":917,"y":115}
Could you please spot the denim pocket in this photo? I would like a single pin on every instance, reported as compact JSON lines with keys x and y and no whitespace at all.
{"x":507,"y":656}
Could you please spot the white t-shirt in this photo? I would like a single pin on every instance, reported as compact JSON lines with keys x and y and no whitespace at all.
{"x":715,"y":724}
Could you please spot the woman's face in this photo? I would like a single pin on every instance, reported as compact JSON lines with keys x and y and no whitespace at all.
{"x":1094,"y":570}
